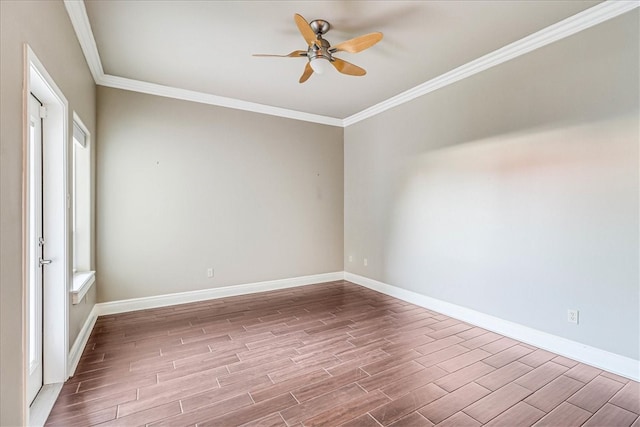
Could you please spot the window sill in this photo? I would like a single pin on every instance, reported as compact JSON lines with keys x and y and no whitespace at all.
{"x":82,"y":282}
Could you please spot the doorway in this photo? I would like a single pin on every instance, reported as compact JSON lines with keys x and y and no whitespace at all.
{"x":46,"y":266}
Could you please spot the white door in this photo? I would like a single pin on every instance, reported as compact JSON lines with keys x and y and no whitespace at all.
{"x":35,"y":254}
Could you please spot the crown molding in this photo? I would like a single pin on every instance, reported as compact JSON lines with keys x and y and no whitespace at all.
{"x":221,"y":101}
{"x":80,"y":21}
{"x":586,"y":19}
{"x":581,"y":21}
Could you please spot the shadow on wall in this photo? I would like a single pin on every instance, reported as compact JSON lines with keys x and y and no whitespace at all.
{"x":545,"y":218}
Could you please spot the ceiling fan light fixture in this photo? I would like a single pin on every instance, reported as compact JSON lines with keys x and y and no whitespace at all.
{"x":320,"y":64}
{"x":320,"y":53}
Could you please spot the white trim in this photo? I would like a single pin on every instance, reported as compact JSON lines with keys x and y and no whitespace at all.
{"x":565,"y":28}
{"x":581,"y":21}
{"x":134,"y":304}
{"x":56,"y":294}
{"x":82,"y":282}
{"x":80,"y":21}
{"x":205,"y":98}
{"x":43,"y":404}
{"x":81,"y":341}
{"x":608,"y":361}
{"x":602,"y":359}
{"x":86,"y":135}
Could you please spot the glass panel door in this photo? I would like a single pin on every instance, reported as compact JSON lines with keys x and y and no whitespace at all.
{"x":35,"y":248}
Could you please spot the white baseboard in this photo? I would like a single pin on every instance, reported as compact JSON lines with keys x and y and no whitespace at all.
{"x":593,"y":356}
{"x":124,"y":306}
{"x":81,"y":341}
{"x":602,"y":359}
{"x":134,"y":304}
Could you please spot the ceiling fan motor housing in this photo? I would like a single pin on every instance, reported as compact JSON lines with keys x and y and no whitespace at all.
{"x":320,"y":51}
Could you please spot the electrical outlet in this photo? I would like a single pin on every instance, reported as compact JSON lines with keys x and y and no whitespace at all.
{"x":350,"y":258}
{"x":366,"y":262}
{"x":209,"y":272}
{"x":572,"y":316}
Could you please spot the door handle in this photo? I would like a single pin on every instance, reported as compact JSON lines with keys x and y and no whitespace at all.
{"x":44,"y":261}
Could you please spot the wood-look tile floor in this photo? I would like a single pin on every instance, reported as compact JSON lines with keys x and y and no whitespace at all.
{"x":328,"y":354}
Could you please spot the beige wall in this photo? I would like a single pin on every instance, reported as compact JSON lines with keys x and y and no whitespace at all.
{"x":45,"y":26}
{"x":514,"y":192}
{"x":184,"y":186}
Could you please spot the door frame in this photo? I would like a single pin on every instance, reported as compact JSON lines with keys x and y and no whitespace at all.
{"x":55,"y":129}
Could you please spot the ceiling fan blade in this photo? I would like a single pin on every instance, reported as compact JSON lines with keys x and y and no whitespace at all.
{"x":358,"y":44}
{"x":304,"y":28}
{"x":347,"y":68}
{"x":294,"y":54}
{"x":307,"y":73}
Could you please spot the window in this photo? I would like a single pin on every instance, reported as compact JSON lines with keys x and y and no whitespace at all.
{"x":83,"y":277}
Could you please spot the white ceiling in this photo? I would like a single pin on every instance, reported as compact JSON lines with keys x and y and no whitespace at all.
{"x":206,"y":46}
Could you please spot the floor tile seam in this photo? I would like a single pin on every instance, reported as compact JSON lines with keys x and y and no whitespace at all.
{"x":583,"y":387}
{"x":617,"y":406}
{"x":637,"y":420}
{"x":458,"y":410}
{"x":446,"y":393}
{"x":566,"y":399}
{"x":320,"y":396}
{"x":618,"y":378}
{"x":373,"y":418}
{"x":390,"y":368}
{"x":488,"y":421}
{"x":81,"y":392}
{"x":347,"y":401}
{"x":591,"y":416}
{"x":503,"y":411}
{"x":61,"y":416}
{"x":383,"y":392}
{"x":362,"y":388}
{"x":575,"y":406}
{"x":271,"y":379}
{"x":543,"y":385}
{"x":488,"y":389}
{"x":512,"y":380}
{"x":209,"y":405}
{"x":144,"y":408}
{"x":564,"y":374}
{"x":620,"y":391}
{"x":588,"y":381}
{"x":472,"y":363}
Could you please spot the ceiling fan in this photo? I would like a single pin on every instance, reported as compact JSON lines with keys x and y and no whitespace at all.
{"x":320,"y":52}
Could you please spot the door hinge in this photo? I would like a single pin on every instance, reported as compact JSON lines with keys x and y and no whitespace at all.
{"x":43,"y":112}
